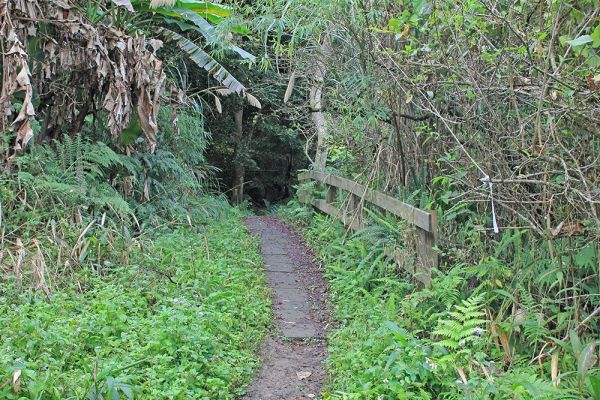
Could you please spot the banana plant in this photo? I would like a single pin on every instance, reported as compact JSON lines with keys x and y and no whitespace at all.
{"x":177,"y":17}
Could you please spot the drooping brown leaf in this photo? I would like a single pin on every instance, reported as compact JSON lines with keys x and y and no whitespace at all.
{"x":38,"y":263}
{"x":463,"y":376}
{"x":593,"y":81}
{"x":218,"y":105}
{"x":150,"y":82}
{"x":290,"y":87}
{"x":504,"y":342}
{"x":564,"y":229}
{"x":98,"y":61}
{"x":587,"y":359}
{"x":16,"y":381}
{"x":16,"y":71}
{"x":18,"y":265}
{"x":554,"y":369}
{"x":487,"y":373}
{"x":253,"y":101}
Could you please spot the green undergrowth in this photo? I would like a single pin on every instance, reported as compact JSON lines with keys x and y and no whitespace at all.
{"x":394,"y":340}
{"x":183,"y":320}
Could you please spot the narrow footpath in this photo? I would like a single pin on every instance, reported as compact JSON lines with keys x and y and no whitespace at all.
{"x":293,"y":355}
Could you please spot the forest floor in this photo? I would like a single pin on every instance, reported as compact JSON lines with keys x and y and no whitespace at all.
{"x":294,"y":353}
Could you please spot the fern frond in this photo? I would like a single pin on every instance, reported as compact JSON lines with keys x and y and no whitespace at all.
{"x":463,"y":324}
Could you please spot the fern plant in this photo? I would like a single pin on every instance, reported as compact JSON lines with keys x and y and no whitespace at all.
{"x":80,"y":160}
{"x":387,"y":237}
{"x":464,"y":325}
{"x":74,"y":172}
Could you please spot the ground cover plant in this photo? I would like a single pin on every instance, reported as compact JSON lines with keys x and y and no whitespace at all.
{"x":181,"y":320}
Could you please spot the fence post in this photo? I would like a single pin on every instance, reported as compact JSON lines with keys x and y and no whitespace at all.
{"x":302,"y":193}
{"x":330,"y":196}
{"x":302,"y":196}
{"x":354,"y":208}
{"x":427,"y":258}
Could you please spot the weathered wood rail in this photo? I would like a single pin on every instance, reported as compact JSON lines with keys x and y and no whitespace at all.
{"x":425,"y":222}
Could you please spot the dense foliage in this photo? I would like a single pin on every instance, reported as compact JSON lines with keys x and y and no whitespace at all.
{"x":123,"y":118}
{"x":181,"y":319}
{"x":486,"y":113}
{"x":450,"y":96}
{"x":453,"y":341}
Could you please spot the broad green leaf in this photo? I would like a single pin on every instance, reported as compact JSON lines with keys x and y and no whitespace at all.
{"x":132,"y":132}
{"x":575,"y":343}
{"x":581,"y":40}
{"x":201,"y":25}
{"x":399,"y":333}
{"x":113,"y":392}
{"x":585,"y":257}
{"x":395,"y":25}
{"x":211,"y":11}
{"x":595,"y":385}
{"x":506,"y":294}
{"x":391,"y":359}
{"x":596,"y":36}
{"x":177,"y":16}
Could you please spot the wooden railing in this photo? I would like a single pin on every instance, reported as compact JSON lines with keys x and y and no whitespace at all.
{"x":425,"y":222}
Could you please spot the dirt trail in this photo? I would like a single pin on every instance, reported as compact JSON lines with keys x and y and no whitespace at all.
{"x":294,"y":353}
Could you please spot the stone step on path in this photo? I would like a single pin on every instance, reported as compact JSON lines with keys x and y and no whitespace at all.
{"x":293,"y":355}
{"x":290,"y":298}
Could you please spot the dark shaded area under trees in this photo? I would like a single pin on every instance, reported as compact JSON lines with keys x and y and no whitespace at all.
{"x":270,"y":148}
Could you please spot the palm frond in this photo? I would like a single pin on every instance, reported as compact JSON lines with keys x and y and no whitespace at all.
{"x":206,"y":61}
{"x":207,"y":30}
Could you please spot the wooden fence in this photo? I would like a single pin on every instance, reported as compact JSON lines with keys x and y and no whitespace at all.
{"x":425,"y":222}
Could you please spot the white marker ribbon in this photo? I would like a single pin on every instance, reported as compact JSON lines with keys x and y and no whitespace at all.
{"x":484,"y":180}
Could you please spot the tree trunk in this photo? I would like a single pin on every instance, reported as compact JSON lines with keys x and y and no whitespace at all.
{"x":239,"y":169}
{"x":316,"y":106}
